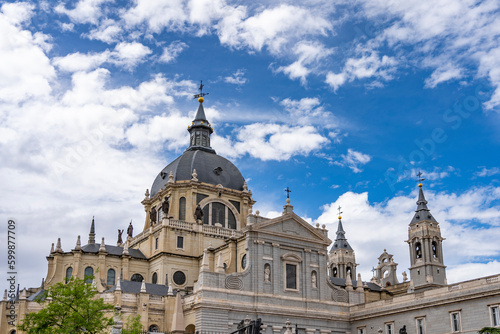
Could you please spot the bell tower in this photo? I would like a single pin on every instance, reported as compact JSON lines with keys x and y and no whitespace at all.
{"x":426,"y":252}
{"x":342,"y":260}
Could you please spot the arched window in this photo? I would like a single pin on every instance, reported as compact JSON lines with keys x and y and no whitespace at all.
{"x":88,"y":273}
{"x":111,"y":277}
{"x":154,"y":329}
{"x":182,"y":208}
{"x":334,"y":271}
{"x":154,"y":278}
{"x":137,"y":278}
{"x":418,"y":250}
{"x":348,"y":271}
{"x":231,"y":221}
{"x":218,"y":214}
{"x":434,"y":249}
{"x":69,"y":273}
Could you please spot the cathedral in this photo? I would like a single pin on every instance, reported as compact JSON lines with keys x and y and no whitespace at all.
{"x":204,"y":262}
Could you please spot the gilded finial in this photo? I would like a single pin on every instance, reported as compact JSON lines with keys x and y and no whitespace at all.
{"x":340,"y":212}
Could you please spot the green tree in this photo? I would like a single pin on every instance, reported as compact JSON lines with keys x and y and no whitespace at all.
{"x":489,"y":330}
{"x":133,"y":325}
{"x":70,"y":308}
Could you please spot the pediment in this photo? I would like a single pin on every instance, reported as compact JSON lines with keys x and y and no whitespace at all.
{"x":292,"y":226}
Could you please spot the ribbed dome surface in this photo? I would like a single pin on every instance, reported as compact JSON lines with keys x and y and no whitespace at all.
{"x":210,"y":167}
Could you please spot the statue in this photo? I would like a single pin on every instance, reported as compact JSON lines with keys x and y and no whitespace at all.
{"x":130,"y":230}
{"x":198,"y":213}
{"x":267,"y":273}
{"x":165,"y":206}
{"x":405,"y":276}
{"x":314,"y":280}
{"x":152,"y":216}
{"x":403,"y":330}
{"x":120,"y":232}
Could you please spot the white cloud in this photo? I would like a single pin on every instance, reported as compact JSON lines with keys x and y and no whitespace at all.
{"x":108,"y":31}
{"x":81,"y":62}
{"x":25,"y":70}
{"x":157,"y":14}
{"x":171,"y":52}
{"x":369,"y":65}
{"x":17,"y":13}
{"x":85,"y":11}
{"x":130,"y":54}
{"x":308,"y":54}
{"x":271,"y":141}
{"x":443,"y":74}
{"x":125,"y":54}
{"x":237,"y":78}
{"x":488,"y":172}
{"x":387,"y":223}
{"x":335,"y":80}
{"x":450,"y":35}
{"x":274,"y":28}
{"x":308,"y":111}
{"x":353,"y":160}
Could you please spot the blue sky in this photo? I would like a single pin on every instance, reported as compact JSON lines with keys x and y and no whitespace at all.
{"x":342,"y":102}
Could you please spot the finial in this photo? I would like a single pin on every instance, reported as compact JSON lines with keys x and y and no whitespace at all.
{"x":340,"y":212}
{"x":201,"y":95}
{"x":420,"y":179}
{"x":58,"y":246}
{"x":288,"y":191}
{"x":194,"y":175}
{"x":143,"y":286}
{"x":171,"y":177}
{"x":52,"y":249}
{"x":146,"y":193}
{"x":245,"y":187}
{"x":102,"y":247}
{"x":78,"y":245}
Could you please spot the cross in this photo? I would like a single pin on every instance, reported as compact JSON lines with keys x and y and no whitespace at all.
{"x":420,"y":179}
{"x":373,"y":271}
{"x":288,"y":191}
{"x":201,"y":90}
{"x":340,"y":212}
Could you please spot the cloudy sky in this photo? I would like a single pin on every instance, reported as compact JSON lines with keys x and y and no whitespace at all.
{"x":342,"y":101}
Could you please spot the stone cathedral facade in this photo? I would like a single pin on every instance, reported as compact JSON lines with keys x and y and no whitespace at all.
{"x":203,"y":262}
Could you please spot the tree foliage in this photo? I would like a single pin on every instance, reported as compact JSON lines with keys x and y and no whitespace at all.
{"x":133,"y":325}
{"x":69,"y":309}
{"x":489,"y":330}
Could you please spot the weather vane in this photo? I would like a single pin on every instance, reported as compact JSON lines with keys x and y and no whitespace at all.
{"x":288,"y":191}
{"x":420,"y":179}
{"x":339,"y":208}
{"x":201,"y":91}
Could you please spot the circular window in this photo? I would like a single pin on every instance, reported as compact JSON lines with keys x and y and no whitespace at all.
{"x":179,"y":278}
{"x":244,"y":262}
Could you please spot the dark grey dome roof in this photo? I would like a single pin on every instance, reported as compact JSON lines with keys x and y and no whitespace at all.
{"x":210,"y":167}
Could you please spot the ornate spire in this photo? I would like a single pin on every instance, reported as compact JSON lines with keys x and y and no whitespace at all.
{"x":92,"y":233}
{"x":422,"y":212}
{"x":200,"y":129}
{"x":340,"y":241}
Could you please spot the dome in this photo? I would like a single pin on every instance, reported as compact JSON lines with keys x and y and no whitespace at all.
{"x":210,"y":167}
